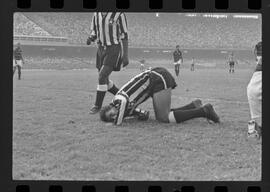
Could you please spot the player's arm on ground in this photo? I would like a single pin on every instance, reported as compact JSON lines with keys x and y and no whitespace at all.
{"x":121,"y":102}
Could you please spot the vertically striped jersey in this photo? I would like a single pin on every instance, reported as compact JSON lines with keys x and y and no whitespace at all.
{"x":108,"y":29}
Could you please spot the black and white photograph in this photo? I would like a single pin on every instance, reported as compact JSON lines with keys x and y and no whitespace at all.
{"x":125,"y":96}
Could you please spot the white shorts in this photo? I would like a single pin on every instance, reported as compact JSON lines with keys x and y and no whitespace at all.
{"x":254,"y":94}
{"x":255,"y":85}
{"x":17,"y":63}
{"x":178,"y":62}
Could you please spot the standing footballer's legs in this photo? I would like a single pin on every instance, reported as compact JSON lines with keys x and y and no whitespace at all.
{"x":163,"y":113}
{"x":177,"y":69}
{"x":102,"y":87}
{"x":254,"y":94}
{"x":106,"y":60}
{"x":19,"y":72}
{"x":14,"y":69}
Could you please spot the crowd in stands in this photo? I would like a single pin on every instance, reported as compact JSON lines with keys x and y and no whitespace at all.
{"x":147,"y":30}
{"x":23,"y":26}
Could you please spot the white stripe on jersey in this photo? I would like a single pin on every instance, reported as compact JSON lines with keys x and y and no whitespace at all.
{"x":140,"y":90}
{"x":100,"y":28}
{"x":93,"y":23}
{"x":121,"y":110}
{"x":133,"y":79}
{"x":114,"y":28}
{"x":107,"y":34}
{"x":124,"y":23}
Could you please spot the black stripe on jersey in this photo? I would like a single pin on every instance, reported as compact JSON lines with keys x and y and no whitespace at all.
{"x":103,"y":20}
{"x":141,"y":97}
{"x":137,"y":85}
{"x":123,"y":25}
{"x":111,"y":29}
{"x":134,"y":81}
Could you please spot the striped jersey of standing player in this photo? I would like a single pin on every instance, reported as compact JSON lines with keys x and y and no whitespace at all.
{"x":178,"y":59}
{"x":109,"y":29}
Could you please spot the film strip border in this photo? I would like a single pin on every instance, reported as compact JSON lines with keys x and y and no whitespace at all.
{"x":152,"y":4}
{"x":91,"y":5}
{"x":133,"y":188}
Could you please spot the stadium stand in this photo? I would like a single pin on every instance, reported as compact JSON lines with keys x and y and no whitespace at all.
{"x":23,"y":26}
{"x":147,"y":30}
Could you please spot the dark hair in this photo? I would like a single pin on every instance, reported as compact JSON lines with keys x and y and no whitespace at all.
{"x":103,"y":112}
{"x":177,"y":46}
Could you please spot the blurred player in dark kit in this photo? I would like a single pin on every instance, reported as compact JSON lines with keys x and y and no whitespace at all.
{"x":158,"y":84}
{"x":109,"y":29}
{"x":142,"y":65}
{"x":178,"y":59}
{"x":18,"y":60}
{"x":192,"y":66}
{"x":231,"y":62}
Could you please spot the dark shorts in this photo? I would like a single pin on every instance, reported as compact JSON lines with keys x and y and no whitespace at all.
{"x":109,"y":56}
{"x":231,"y":64}
{"x":161,"y":79}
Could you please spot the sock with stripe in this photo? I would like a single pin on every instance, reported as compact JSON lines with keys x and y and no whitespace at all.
{"x":101,"y":91}
{"x":179,"y":116}
{"x":186,"y":107}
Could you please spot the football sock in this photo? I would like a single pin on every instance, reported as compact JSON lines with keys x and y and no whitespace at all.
{"x":186,"y":107}
{"x":99,"y":98}
{"x":113,"y":90}
{"x":179,"y":116}
{"x":101,"y":91}
{"x":138,"y":112}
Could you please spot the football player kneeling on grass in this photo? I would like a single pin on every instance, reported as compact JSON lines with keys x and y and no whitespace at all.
{"x":158,"y":84}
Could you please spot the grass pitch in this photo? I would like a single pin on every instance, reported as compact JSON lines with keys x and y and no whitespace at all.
{"x":55,"y":138}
